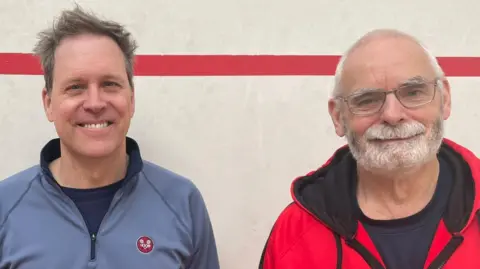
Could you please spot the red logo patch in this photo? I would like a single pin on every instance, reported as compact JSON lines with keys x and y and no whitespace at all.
{"x":145,"y":244}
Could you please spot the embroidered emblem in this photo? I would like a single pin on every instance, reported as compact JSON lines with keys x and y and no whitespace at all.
{"x":145,"y":244}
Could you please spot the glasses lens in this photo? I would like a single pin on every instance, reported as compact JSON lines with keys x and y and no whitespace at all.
{"x":416,"y":95}
{"x":365,"y":103}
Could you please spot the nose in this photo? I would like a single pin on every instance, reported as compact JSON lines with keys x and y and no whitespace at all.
{"x":94,"y":102}
{"x":393,"y":111}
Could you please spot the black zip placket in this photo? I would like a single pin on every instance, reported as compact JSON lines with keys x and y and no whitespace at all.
{"x":446,"y":252}
{"x":437,"y":263}
{"x":365,"y":253}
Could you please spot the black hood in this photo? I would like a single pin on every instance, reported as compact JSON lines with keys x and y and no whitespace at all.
{"x":329,"y":192}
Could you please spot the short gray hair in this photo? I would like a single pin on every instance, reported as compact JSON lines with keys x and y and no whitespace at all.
{"x":77,"y":22}
{"x":337,"y":90}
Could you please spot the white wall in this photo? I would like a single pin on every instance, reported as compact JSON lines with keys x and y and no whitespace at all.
{"x":240,"y":139}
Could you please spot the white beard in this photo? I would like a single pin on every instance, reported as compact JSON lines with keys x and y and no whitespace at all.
{"x":395,"y":155}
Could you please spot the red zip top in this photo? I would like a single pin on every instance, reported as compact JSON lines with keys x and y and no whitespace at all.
{"x":322,"y":228}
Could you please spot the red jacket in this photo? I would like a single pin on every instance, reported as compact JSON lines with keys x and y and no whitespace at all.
{"x":320,"y":228}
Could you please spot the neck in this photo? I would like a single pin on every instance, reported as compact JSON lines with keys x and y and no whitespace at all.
{"x":82,"y":172}
{"x":397,"y":194}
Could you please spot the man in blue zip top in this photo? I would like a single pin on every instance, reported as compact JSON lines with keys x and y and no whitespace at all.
{"x":92,"y":202}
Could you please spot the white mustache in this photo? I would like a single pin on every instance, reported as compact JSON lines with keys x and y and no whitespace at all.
{"x":403,"y":131}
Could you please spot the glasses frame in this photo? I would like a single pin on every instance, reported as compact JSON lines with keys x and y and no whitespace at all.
{"x":347,"y":99}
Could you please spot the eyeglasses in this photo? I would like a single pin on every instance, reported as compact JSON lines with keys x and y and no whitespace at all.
{"x":414,"y":93}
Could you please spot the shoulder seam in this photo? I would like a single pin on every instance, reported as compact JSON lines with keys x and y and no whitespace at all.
{"x":2,"y":224}
{"x":165,"y":201}
{"x":299,"y":237}
{"x":295,"y":243}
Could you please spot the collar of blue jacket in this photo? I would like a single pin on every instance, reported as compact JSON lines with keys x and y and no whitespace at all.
{"x":51,"y":152}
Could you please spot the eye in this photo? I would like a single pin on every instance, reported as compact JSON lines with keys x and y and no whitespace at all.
{"x":414,"y":90}
{"x":75,"y":87}
{"x":367,"y":99}
{"x":110,"y":84}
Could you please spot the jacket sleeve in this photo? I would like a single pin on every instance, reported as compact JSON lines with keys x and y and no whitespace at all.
{"x":273,"y":249}
{"x":266,"y":260}
{"x":205,"y":253}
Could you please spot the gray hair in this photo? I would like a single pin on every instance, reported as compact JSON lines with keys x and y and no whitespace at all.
{"x":337,"y":90}
{"x":77,"y":22}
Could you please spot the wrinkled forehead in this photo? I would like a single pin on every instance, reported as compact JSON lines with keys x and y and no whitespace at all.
{"x":385,"y":65}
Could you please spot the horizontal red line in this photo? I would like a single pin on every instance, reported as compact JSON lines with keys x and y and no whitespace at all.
{"x":233,"y":65}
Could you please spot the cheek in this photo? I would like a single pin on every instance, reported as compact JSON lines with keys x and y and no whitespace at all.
{"x":359,"y":125}
{"x":123,"y":105}
{"x":427,"y":117}
{"x":63,"y":115}
{"x":63,"y":111}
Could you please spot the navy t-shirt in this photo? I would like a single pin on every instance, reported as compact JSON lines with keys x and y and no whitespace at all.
{"x":93,"y":204}
{"x":404,"y":243}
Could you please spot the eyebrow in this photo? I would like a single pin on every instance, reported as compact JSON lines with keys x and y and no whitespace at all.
{"x":364,"y":90}
{"x":112,"y":77}
{"x":411,"y":81}
{"x":80,"y":79}
{"x":71,"y":81}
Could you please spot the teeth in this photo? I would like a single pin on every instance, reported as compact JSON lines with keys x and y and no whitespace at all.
{"x":97,"y":126}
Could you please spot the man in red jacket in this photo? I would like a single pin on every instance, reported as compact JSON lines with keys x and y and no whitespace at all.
{"x":399,"y":196}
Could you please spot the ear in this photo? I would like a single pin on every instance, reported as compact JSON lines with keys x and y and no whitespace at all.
{"x":447,"y":100}
{"x":132,"y":100}
{"x":335,"y":114}
{"x":47,"y":104}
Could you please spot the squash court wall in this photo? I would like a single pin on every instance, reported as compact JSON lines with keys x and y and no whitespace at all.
{"x":241,"y":139}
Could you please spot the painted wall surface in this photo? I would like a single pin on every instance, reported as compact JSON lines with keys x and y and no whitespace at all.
{"x":241,"y":139}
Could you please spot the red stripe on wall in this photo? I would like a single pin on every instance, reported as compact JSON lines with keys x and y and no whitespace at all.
{"x":233,"y":65}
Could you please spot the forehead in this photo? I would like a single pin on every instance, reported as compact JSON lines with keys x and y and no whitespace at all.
{"x":88,"y":56}
{"x":384,"y":64}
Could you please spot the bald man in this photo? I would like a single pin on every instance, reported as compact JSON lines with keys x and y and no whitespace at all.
{"x":399,"y":195}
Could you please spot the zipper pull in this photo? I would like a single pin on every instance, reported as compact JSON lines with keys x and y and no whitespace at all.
{"x":93,"y":240}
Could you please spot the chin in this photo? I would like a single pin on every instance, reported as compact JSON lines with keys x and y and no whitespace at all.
{"x":97,"y":149}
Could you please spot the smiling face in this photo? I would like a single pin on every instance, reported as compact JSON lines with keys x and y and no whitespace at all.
{"x":395,"y":137}
{"x":91,"y":102}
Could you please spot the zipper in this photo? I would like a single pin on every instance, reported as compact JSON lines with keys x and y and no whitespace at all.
{"x":447,"y":252}
{"x":93,"y":237}
{"x":338,"y":242}
{"x":93,"y":241}
{"x":365,"y":253}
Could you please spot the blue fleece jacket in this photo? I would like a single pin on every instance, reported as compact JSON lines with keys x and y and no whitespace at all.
{"x":156,"y":219}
